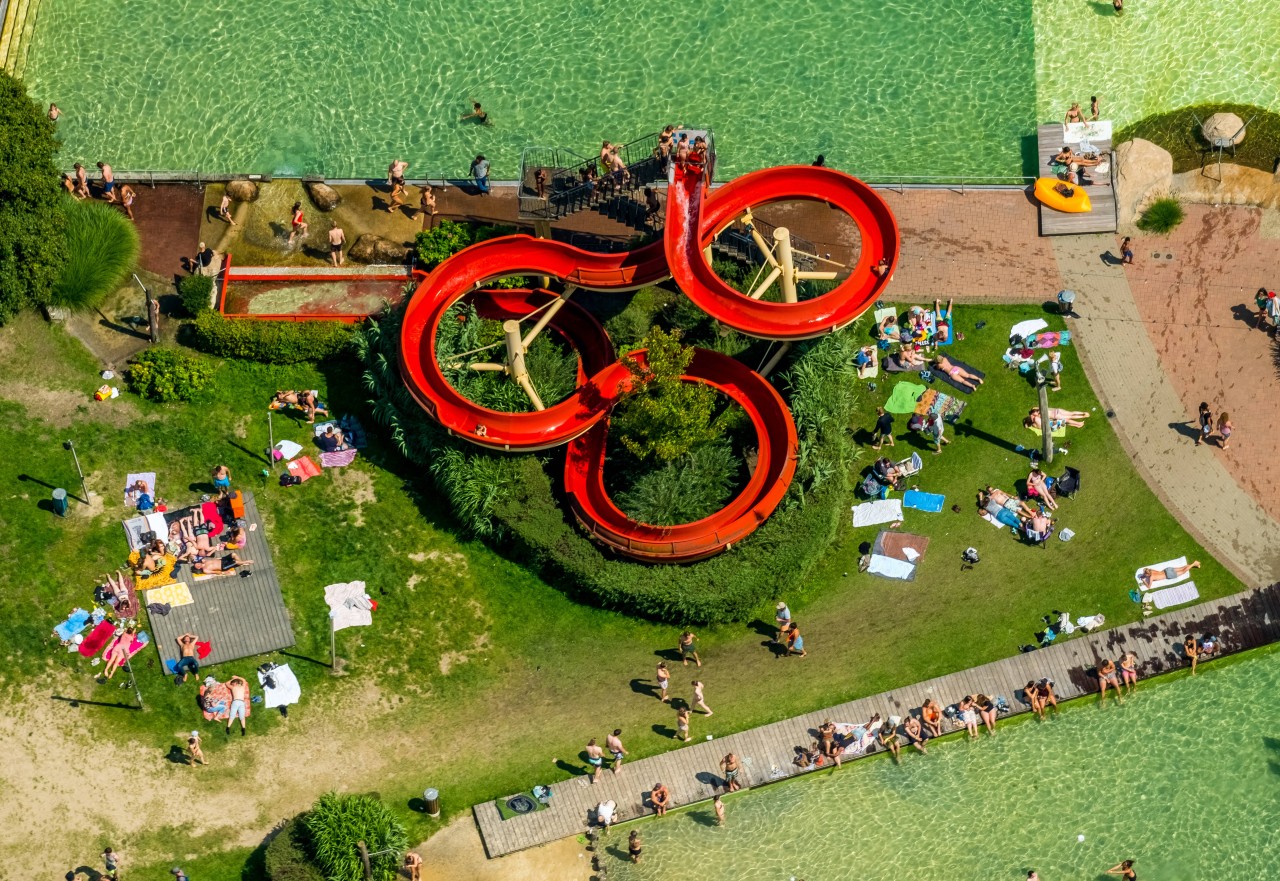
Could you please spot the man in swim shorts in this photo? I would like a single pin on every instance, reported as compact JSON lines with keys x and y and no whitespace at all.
{"x":108,"y":182}
{"x":239,"y":702}
{"x":337,"y":238}
{"x":1169,"y":573}
{"x":595,"y":758}
{"x":614,"y":743}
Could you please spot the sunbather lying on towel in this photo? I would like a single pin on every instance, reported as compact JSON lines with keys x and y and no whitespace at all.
{"x":1003,"y":507}
{"x":942,"y":321}
{"x":146,"y":501}
{"x":117,"y":587}
{"x":889,"y":328}
{"x":151,"y":560}
{"x":1057,"y":418}
{"x":957,"y":373}
{"x":118,"y":652}
{"x":225,"y":565}
{"x":196,"y":542}
{"x":908,"y":357}
{"x":307,"y":400}
{"x":1173,"y":573}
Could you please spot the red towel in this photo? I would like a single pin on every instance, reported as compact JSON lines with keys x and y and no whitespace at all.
{"x":203,"y":649}
{"x":97,"y":639}
{"x":303,"y":468}
{"x":212,"y":517}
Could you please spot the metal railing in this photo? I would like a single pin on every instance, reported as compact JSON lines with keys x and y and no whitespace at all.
{"x":955,"y":183}
{"x":573,"y":182}
{"x":736,"y":241}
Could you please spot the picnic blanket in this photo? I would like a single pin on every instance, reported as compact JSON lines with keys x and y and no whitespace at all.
{"x":1157,"y":583}
{"x":903,"y":397}
{"x":921,"y":501}
{"x":131,"y":494}
{"x":303,"y":468}
{"x":288,"y":449}
{"x":215,"y":702}
{"x":175,"y":594}
{"x":134,"y":527}
{"x":77,"y":621}
{"x":892,"y":365}
{"x":934,"y":401}
{"x":946,"y":377}
{"x":1173,"y":596}
{"x":337,"y":459}
{"x":160,"y":579}
{"x":1049,"y":339}
{"x":888,"y":567}
{"x":97,"y":639}
{"x":140,"y":641}
{"x":1025,"y":328}
{"x":874,"y":513}
{"x":901,"y":546}
{"x":286,"y":689}
{"x":1060,"y":431}
{"x":349,"y":605}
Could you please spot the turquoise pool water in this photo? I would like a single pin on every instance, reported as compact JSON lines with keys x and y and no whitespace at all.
{"x":1184,"y":779}
{"x":296,"y":86}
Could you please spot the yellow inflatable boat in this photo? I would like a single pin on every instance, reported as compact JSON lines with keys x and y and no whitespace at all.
{"x":1062,"y":196}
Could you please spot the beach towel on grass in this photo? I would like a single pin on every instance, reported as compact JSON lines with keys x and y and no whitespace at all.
{"x":933,"y":326}
{"x":1173,"y":596}
{"x":986,"y":515}
{"x":288,"y":449}
{"x":97,"y":639}
{"x":1049,"y":339}
{"x":945,"y":377}
{"x":875,"y":513}
{"x":337,"y":459}
{"x":348,"y":604}
{"x":931,"y":502}
{"x":903,"y":397}
{"x":215,"y":702}
{"x":77,"y":621}
{"x":176,"y":594}
{"x":1060,"y":431}
{"x":885,"y":312}
{"x":888,"y":567}
{"x":286,"y":689}
{"x":131,"y":494}
{"x":303,"y":468}
{"x":891,"y":365}
{"x":1157,"y":583}
{"x":1024,"y":329}
{"x":140,"y":641}
{"x":134,"y":527}
{"x":900,"y":546}
{"x":160,"y":579}
{"x":934,"y":401}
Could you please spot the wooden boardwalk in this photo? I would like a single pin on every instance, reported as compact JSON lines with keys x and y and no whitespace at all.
{"x":1102,"y":193}
{"x":239,"y":617}
{"x":1243,"y":621}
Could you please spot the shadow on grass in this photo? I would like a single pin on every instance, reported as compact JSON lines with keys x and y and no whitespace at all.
{"x":645,"y":687}
{"x":80,"y":702}
{"x":318,"y":662}
{"x":27,"y":478}
{"x":967,"y":429}
{"x":574,"y":770}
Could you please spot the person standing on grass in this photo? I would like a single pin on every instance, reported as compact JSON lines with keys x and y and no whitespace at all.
{"x":337,"y":238}
{"x":224,"y":209}
{"x":595,"y":758}
{"x":193,"y":747}
{"x":1206,"y":423}
{"x":1126,"y":252}
{"x":731,"y":767}
{"x":614,"y":743}
{"x":697,"y":698}
{"x":781,"y":616}
{"x":239,"y":702}
{"x":297,"y":223}
{"x":688,"y":648}
{"x":795,"y":641}
{"x":664,"y":682}
{"x":222,"y":480}
{"x":1055,"y":370}
{"x":883,"y":429}
{"x":718,"y":804}
{"x":935,"y":428}
{"x":108,"y":182}
{"x":682,"y":724}
{"x":1224,"y":429}
{"x":413,"y":862}
{"x":111,"y":860}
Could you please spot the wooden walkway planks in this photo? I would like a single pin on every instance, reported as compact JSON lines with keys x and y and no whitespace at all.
{"x":1102,"y":194}
{"x":1243,"y":621}
{"x":239,"y":617}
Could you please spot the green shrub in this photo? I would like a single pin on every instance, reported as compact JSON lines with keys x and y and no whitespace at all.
{"x":33,"y":246}
{"x":1162,"y":216}
{"x":664,"y":417}
{"x":169,"y":374}
{"x":821,"y":385}
{"x":287,"y":857}
{"x":337,"y":822}
{"x":271,"y":342}
{"x":196,"y":293}
{"x":442,"y":241}
{"x":102,"y":248}
{"x":694,"y":486}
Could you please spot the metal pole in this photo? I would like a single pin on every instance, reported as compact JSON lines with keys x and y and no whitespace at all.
{"x":153,"y":319}
{"x":333,"y":645}
{"x":271,"y":439}
{"x":1046,"y":430}
{"x":128,"y":666}
{"x":84,"y":487}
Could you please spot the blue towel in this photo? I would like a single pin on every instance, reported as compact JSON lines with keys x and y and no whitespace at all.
{"x":931,"y":502}
{"x":76,"y":621}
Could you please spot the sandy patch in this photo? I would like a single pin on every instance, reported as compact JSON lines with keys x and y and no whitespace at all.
{"x":61,"y":408}
{"x":358,"y":486}
{"x":452,"y":562}
{"x":456,"y":852}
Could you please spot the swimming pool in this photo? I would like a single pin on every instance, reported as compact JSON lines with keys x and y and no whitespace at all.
{"x":1184,"y":779}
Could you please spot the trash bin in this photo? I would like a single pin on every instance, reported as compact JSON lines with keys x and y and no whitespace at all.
{"x":1066,"y":299}
{"x":432,"y":799}
{"x":60,"y":502}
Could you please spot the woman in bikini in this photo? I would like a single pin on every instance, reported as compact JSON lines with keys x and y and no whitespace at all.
{"x":1224,"y":429}
{"x":1046,"y":694}
{"x":118,"y":654}
{"x":127,"y":195}
{"x":1038,"y":488}
{"x":958,"y":374}
{"x":1192,"y":649}
{"x":987,"y":711}
{"x":1059,"y":416}
{"x":969,"y":715}
{"x":1074,"y":114}
{"x":1107,"y":676}
{"x":1032,"y":692}
{"x":1129,"y":671}
{"x":1125,"y":869}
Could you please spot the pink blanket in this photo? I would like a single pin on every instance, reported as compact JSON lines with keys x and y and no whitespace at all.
{"x":338,"y":458}
{"x":97,"y":639}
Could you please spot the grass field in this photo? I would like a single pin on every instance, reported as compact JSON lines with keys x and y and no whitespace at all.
{"x":477,"y":677}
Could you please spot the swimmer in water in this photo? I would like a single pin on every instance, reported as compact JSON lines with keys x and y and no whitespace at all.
{"x":478,"y":114}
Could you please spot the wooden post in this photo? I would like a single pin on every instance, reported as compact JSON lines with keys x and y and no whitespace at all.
{"x":364,"y":860}
{"x":1046,"y":429}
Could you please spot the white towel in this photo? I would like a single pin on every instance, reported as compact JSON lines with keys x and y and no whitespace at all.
{"x":992,"y":520}
{"x":131,"y":494}
{"x":288,"y":449}
{"x":1028,"y":327}
{"x":349,"y":605}
{"x":1173,"y":596}
{"x":135,"y":526}
{"x":287,"y":690}
{"x":1157,"y":583}
{"x":879,"y":511}
{"x":891,"y":568}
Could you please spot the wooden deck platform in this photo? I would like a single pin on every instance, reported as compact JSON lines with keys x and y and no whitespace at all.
{"x":1102,"y":193}
{"x":1243,"y":621}
{"x":239,"y":617}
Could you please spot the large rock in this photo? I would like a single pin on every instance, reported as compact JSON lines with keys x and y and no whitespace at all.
{"x":323,"y":196}
{"x":375,"y":249}
{"x":1223,"y":125}
{"x":1143,"y":171}
{"x":242,"y":190}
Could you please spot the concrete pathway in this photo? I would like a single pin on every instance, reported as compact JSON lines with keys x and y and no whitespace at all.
{"x":1156,"y":428}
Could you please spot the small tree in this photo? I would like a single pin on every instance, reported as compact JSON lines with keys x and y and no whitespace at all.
{"x":32,"y":237}
{"x":337,"y":822}
{"x":441,"y":242}
{"x":664,"y":417}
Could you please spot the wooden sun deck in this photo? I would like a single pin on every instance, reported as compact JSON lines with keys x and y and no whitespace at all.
{"x":1243,"y":621}
{"x":1102,"y":193}
{"x":239,"y":617}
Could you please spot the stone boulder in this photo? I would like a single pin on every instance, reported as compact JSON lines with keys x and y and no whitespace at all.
{"x":375,"y":249}
{"x":1143,"y":171}
{"x":1223,"y":125}
{"x":242,"y":190}
{"x":323,"y":196}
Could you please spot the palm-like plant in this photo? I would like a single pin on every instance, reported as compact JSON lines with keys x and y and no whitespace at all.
{"x":102,"y":248}
{"x":337,"y":822}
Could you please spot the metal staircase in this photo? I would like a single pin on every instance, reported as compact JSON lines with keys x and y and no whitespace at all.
{"x":573,"y":183}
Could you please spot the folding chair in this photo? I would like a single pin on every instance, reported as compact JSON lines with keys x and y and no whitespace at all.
{"x":1066,"y":486}
{"x":911,"y":466}
{"x":1031,"y":538}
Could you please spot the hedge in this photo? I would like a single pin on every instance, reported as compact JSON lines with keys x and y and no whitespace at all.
{"x":271,"y":342}
{"x":286,"y":857}
{"x":166,"y":373}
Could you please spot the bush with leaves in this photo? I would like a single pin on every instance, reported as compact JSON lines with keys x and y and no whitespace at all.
{"x":33,"y":247}
{"x":169,"y":374}
{"x":334,"y":825}
{"x":448,"y":237}
{"x":271,"y":342}
{"x":102,"y":248}
{"x":663,"y":417}
{"x":686,"y":489}
{"x":821,"y":386}
{"x":1162,"y":216}
{"x":287,"y":856}
{"x":196,"y":293}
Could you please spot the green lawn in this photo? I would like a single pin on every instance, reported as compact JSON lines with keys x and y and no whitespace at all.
{"x":477,"y":677}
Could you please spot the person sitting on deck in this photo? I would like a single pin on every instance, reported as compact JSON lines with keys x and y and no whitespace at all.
{"x":661,"y":798}
{"x":1066,"y":156}
{"x":215,"y":566}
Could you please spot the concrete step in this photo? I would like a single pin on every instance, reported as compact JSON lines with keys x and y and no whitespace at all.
{"x":23,"y":45}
